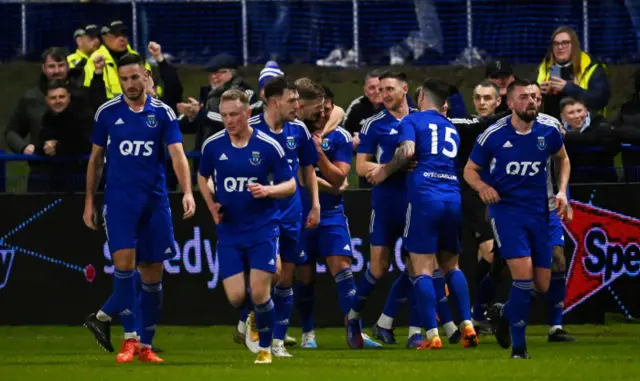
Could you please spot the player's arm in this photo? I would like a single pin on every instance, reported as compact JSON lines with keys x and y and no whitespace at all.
{"x":366,"y":149}
{"x":94,"y":174}
{"x":472,"y":177}
{"x":335,"y":119}
{"x":283,"y":180}
{"x":309,"y":174}
{"x":563,"y":168}
{"x":401,"y":157}
{"x":181,"y":169}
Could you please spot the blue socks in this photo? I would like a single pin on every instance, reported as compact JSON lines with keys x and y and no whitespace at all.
{"x":459,"y":290}
{"x":123,"y":298}
{"x":517,"y":310}
{"x":398,"y":295}
{"x":283,"y":301}
{"x":415,"y":318}
{"x":442,"y":303}
{"x":305,"y":298}
{"x":366,"y":284}
{"x":426,"y":297}
{"x":151,"y":300}
{"x":484,"y":297}
{"x":265,"y":320}
{"x":555,"y":298}
{"x":346,"y":290}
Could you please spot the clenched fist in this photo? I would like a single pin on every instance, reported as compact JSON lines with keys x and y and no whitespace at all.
{"x":156,"y":51}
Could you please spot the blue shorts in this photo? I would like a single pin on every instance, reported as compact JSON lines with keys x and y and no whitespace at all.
{"x":288,"y":243}
{"x":522,"y":235}
{"x":387,"y":224}
{"x":326,"y":241}
{"x":556,"y":230}
{"x":236,"y":259}
{"x":433,"y":227}
{"x":147,"y":229}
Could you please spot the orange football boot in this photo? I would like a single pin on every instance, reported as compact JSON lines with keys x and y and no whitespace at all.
{"x":128,"y":351}
{"x":433,"y":343}
{"x":147,"y":355}
{"x":469,"y":336}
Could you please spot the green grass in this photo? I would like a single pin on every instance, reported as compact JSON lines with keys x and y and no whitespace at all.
{"x":69,"y":353}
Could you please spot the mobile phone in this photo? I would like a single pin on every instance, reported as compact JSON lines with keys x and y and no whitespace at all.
{"x":555,"y":72}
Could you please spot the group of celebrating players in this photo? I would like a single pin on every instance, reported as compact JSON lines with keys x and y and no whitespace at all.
{"x":274,"y":183}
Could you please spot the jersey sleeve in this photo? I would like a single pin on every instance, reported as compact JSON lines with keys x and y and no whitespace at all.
{"x":308,"y":155}
{"x":171,"y":131}
{"x":482,"y":152}
{"x":280,"y":166}
{"x":206,"y":167}
{"x":343,"y":147}
{"x":100,"y":133}
{"x":555,"y":141}
{"x":407,"y":130}
{"x":368,"y":139}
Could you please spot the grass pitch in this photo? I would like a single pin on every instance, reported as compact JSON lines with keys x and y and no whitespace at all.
{"x":609,"y":352}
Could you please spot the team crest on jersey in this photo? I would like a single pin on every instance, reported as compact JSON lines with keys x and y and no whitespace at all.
{"x":152,"y":121}
{"x":542,"y":143}
{"x":255,"y":158}
{"x":291,"y":142}
{"x":325,"y":144}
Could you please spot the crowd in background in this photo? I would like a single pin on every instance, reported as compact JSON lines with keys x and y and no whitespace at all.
{"x":54,"y":118}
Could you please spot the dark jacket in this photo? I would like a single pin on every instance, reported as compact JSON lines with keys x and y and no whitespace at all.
{"x":72,"y":130}
{"x":26,"y":121}
{"x":592,"y":151}
{"x":358,"y":111}
{"x":209,"y":120}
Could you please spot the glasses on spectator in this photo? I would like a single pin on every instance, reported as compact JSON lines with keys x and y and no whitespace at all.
{"x":561,"y":44}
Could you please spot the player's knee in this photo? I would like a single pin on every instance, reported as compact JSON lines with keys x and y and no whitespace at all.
{"x":379,"y":262}
{"x":304,"y":274}
{"x":124,"y":260}
{"x":151,"y":272}
{"x":485,"y":251}
{"x":447,"y":262}
{"x":285,"y":278}
{"x":558,"y":262}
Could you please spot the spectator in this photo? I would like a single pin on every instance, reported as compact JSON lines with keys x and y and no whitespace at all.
{"x":101,"y":69}
{"x":627,"y":131}
{"x":501,"y":73}
{"x":203,"y":118}
{"x":589,"y":141}
{"x":171,"y":93}
{"x":23,"y":129}
{"x":271,"y":70}
{"x":65,"y":135}
{"x":486,"y":98}
{"x":568,"y":71}
{"x":88,"y":41}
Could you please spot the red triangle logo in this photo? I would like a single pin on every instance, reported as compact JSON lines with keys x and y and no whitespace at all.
{"x":607,"y":246}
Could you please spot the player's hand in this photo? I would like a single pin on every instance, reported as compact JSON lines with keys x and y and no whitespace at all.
{"x":344,"y":186}
{"x":259,"y":191}
{"x":156,"y":51}
{"x":50,"y":147}
{"x":489,"y":195}
{"x":216,"y":213}
{"x":355,"y":141}
{"x":90,"y":216}
{"x":568,"y":217}
{"x":189,"y":206}
{"x":411,"y":165}
{"x":313,"y":218}
{"x":98,"y":59}
{"x":317,"y":140}
{"x":29,"y":149}
{"x":561,"y":203}
{"x":376,"y":175}
{"x":545,"y":87}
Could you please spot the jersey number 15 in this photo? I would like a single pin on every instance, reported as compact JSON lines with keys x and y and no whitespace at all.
{"x":448,"y":138}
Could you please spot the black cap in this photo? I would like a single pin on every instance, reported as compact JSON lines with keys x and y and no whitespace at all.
{"x":116,"y":27}
{"x":221,"y":61}
{"x":499,"y":67}
{"x":91,"y":30}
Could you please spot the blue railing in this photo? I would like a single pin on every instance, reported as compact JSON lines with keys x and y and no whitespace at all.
{"x":582,"y":175}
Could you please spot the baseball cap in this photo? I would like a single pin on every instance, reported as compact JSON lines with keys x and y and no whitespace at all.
{"x":91,"y":30}
{"x":499,"y":67}
{"x":116,"y":27}
{"x":271,"y":70}
{"x":221,"y":61}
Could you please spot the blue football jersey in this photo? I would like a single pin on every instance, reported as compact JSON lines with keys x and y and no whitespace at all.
{"x":518,"y":163}
{"x":337,"y":146}
{"x":299,"y":150}
{"x":379,"y":137}
{"x":261,"y":161}
{"x":436,"y":140}
{"x":135,"y":145}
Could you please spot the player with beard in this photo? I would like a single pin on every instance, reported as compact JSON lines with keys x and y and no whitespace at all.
{"x":516,"y":151}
